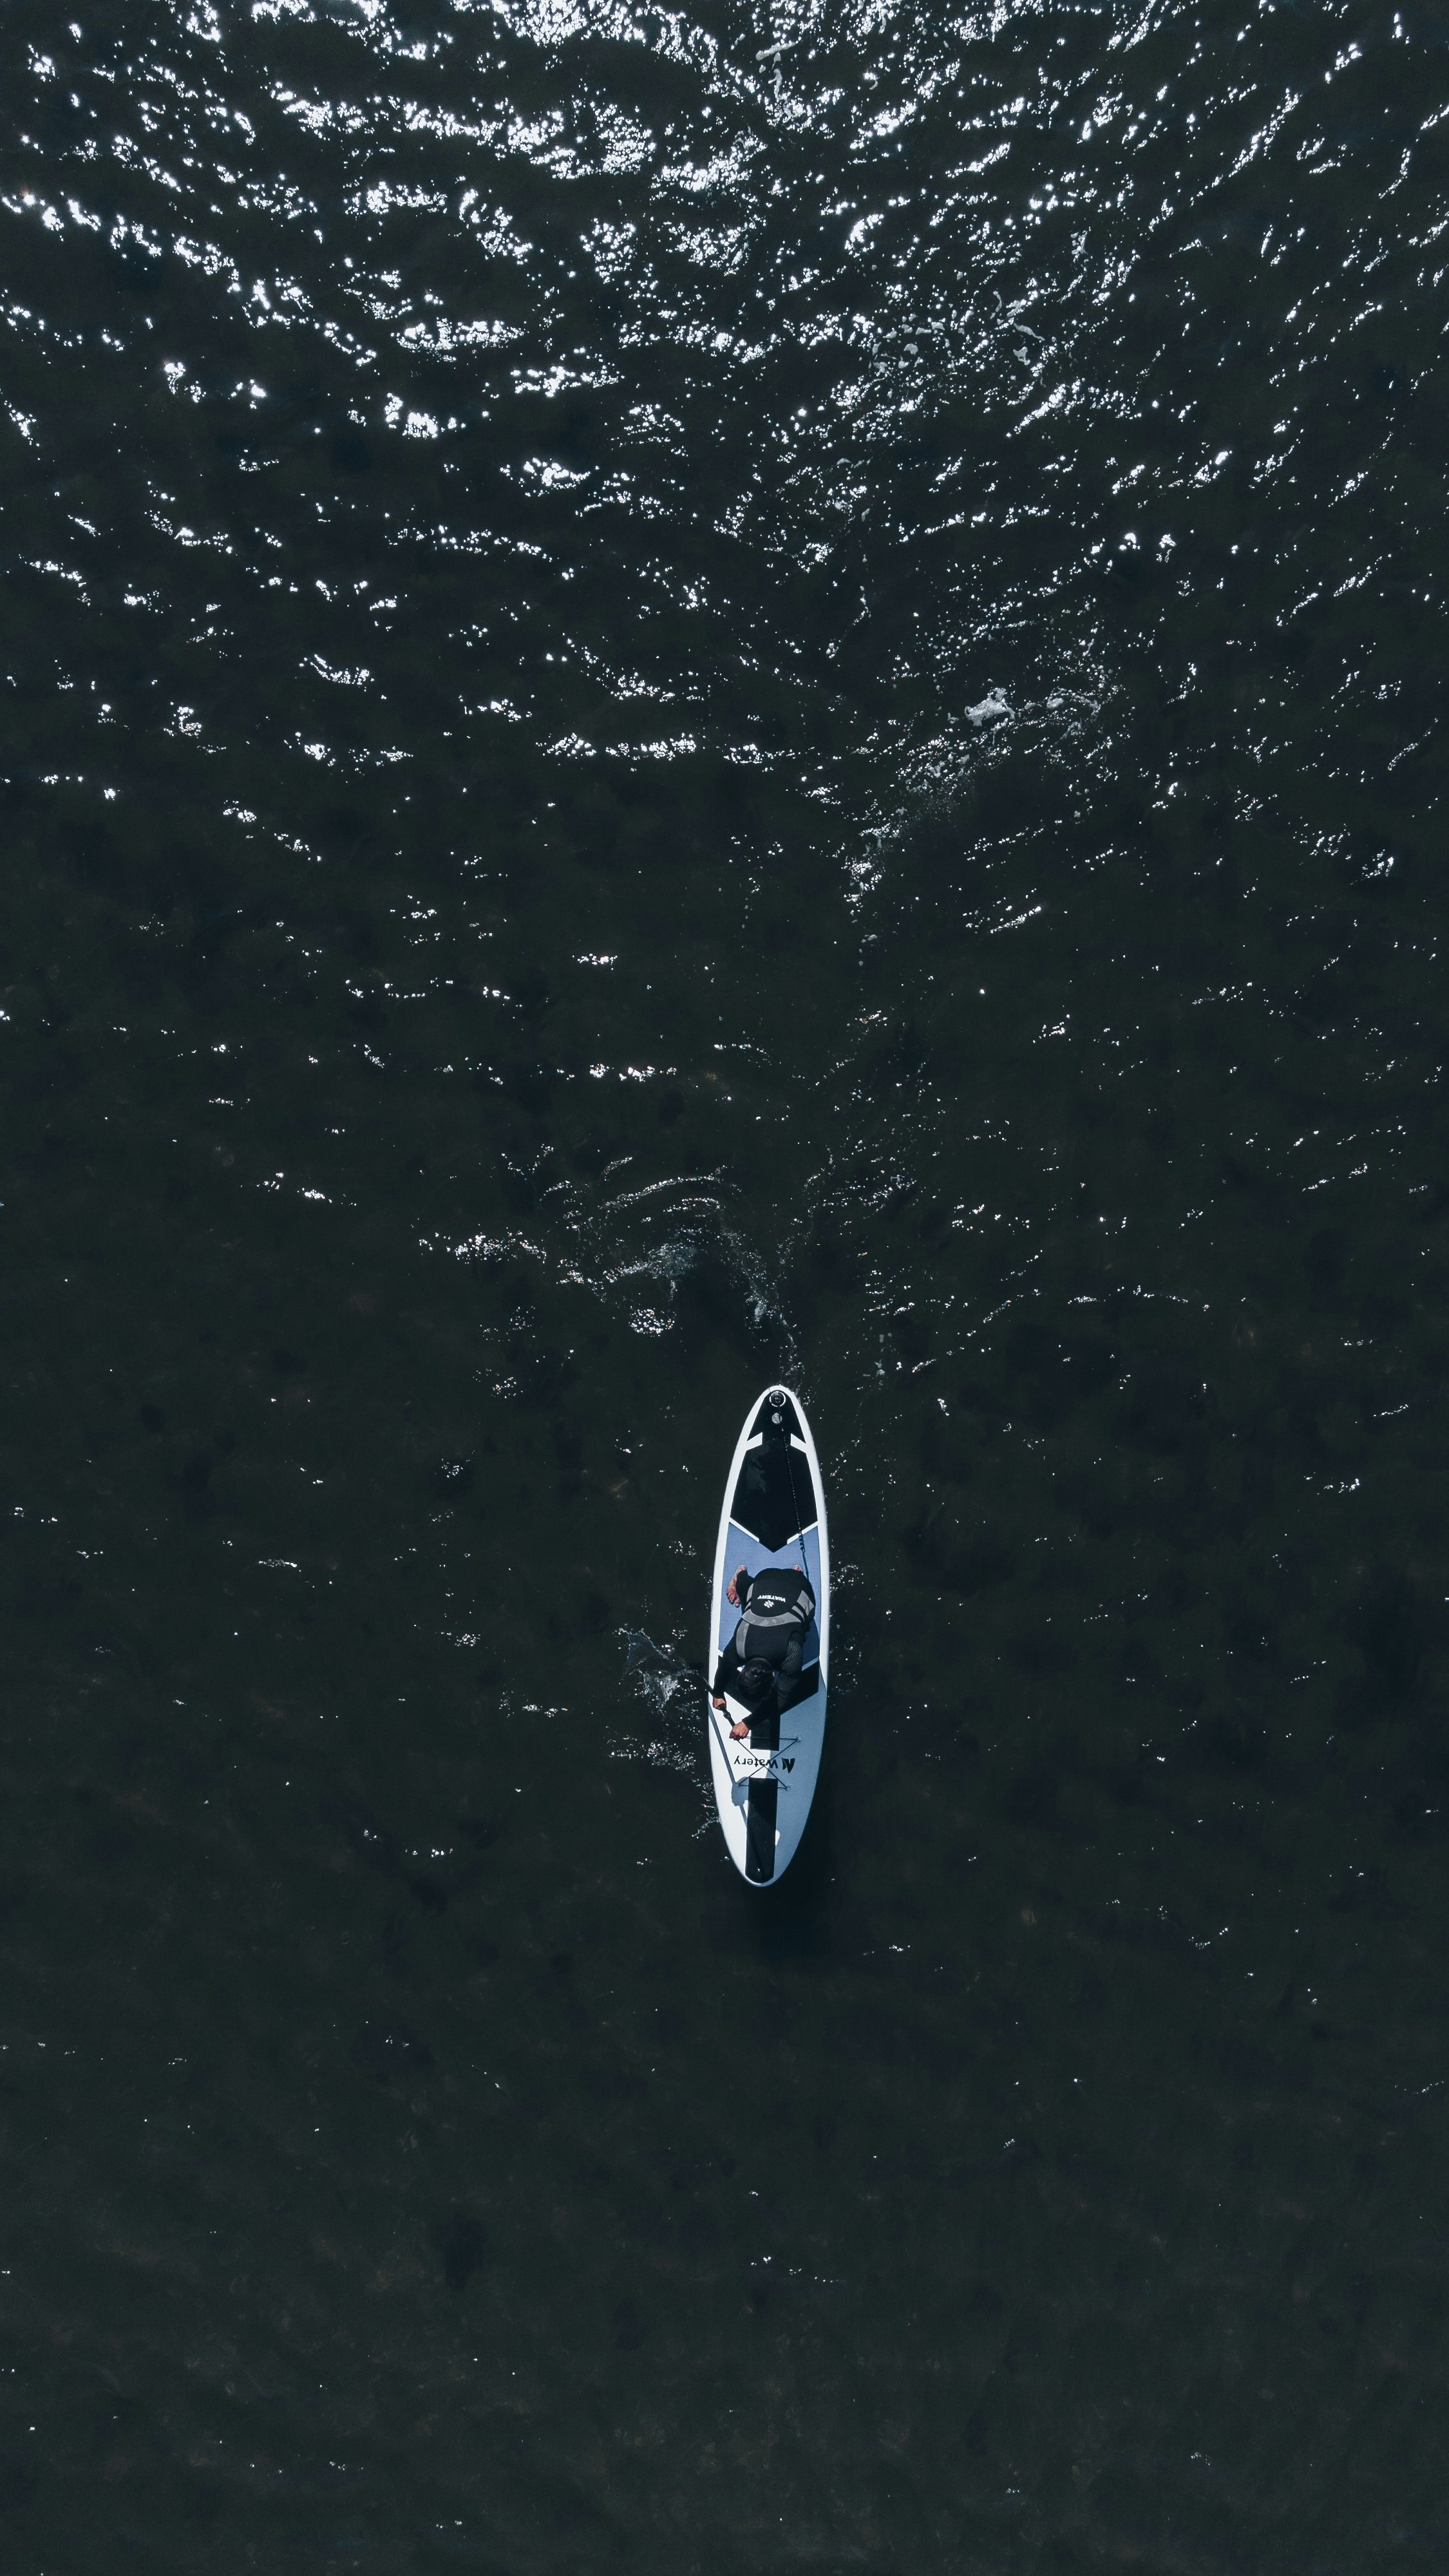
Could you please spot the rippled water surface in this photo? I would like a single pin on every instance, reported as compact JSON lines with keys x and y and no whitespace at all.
{"x":690,"y":698}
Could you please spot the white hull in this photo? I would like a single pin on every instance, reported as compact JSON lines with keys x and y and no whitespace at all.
{"x":763,"y":1788}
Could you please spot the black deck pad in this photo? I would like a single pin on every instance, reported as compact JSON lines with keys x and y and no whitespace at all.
{"x":774,"y":1498}
{"x":760,"y":1829}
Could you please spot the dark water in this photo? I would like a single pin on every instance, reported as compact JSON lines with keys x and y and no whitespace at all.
{"x":689,"y":698}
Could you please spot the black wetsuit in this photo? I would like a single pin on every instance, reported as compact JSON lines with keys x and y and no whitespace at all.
{"x":776,"y":1608}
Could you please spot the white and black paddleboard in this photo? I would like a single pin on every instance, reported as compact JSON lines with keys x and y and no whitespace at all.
{"x":774,"y":1514}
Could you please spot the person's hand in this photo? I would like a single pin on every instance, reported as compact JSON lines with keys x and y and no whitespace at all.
{"x":732,"y":1589}
{"x":743,"y":1728}
{"x":719,"y":1704}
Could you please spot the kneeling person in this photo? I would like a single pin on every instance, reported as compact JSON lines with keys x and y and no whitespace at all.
{"x":762,"y":1661}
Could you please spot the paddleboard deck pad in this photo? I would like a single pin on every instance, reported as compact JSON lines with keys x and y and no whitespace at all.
{"x":774,"y":1514}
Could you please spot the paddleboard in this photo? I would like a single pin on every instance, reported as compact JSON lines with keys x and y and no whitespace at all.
{"x":774,"y":1514}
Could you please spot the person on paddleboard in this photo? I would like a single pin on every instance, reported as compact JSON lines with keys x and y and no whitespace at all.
{"x":763,"y":1658}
